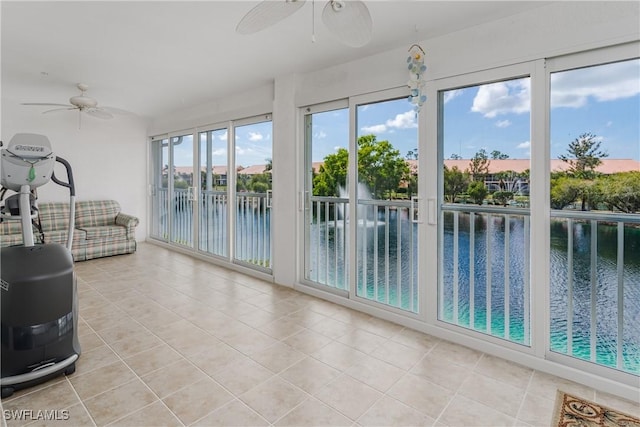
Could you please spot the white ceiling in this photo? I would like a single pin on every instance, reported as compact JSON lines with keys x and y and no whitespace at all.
{"x":152,"y":58}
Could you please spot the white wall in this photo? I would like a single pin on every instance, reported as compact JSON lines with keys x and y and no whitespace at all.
{"x":108,"y":157}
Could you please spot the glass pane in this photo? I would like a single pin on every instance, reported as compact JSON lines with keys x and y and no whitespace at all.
{"x":484,"y":242}
{"x":213,"y":192}
{"x":387,"y":244}
{"x":253,"y":150}
{"x":182,"y":197}
{"x":326,"y":231}
{"x":595,"y":225}
{"x":160,"y":194}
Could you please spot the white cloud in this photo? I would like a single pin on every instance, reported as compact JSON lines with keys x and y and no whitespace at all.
{"x":405,"y":120}
{"x":609,"y":124}
{"x":374,"y":129}
{"x":512,"y":96}
{"x":574,"y":88}
{"x":524,"y":145}
{"x":320,"y":135}
{"x":451,"y":94}
{"x":219,"y":152}
{"x":223,"y":137}
{"x":255,"y":136}
{"x":243,"y":151}
{"x":337,"y":147}
{"x":503,"y":123}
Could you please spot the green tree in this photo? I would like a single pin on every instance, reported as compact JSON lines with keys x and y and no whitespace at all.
{"x":455,"y":182}
{"x":455,"y":156}
{"x":584,"y":156}
{"x":498,"y":155}
{"x":380,"y":167}
{"x":565,"y":190}
{"x":412,"y":154}
{"x":502,"y":197}
{"x":260,"y":183}
{"x":332,"y":174}
{"x":479,"y":165}
{"x":477,"y":191}
{"x":621,"y":191}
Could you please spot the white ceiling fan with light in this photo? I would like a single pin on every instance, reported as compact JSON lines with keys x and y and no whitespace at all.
{"x":83,"y":104}
{"x":348,"y":20}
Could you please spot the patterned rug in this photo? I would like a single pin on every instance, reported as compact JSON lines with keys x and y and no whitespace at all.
{"x":571,"y":411}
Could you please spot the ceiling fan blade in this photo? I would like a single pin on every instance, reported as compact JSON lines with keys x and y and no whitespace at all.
{"x":114,"y":110}
{"x":350,"y":21}
{"x":99,"y":113}
{"x":46,"y":104}
{"x":59,"y":109}
{"x":266,"y":14}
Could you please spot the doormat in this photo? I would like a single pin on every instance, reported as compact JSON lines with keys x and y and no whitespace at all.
{"x":572,"y":411}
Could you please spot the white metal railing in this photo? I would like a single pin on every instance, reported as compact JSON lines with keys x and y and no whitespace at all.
{"x":484,"y":282}
{"x":596,"y":283}
{"x":160,"y":220}
{"x":213,"y":237}
{"x":327,"y":256}
{"x":182,"y":213}
{"x":253,"y":229}
{"x":386,"y":252}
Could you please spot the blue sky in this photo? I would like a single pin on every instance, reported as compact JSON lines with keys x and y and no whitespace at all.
{"x":603,"y":100}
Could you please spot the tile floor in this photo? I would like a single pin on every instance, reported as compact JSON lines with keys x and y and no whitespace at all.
{"x":170,"y":340}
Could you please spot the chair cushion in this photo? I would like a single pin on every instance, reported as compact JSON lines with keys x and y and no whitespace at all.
{"x":54,"y":216}
{"x":95,"y":213}
{"x":101,"y":232}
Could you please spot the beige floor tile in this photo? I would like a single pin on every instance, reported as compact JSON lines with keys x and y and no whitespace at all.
{"x":504,"y":371}
{"x":111,"y":319}
{"x":441,"y":371}
{"x":348,"y":396}
{"x":332,"y":328}
{"x":216,"y":359}
{"x":388,"y":412}
{"x":135,"y":343}
{"x":250,"y":341}
{"x":278,"y":357}
{"x":273,"y":398}
{"x":400,"y":355}
{"x":173,"y":377}
{"x":380,"y":327}
{"x":495,"y":394}
{"x":546,"y":385}
{"x":376,"y":373}
{"x":233,"y":414}
{"x":196,"y":401}
{"x":96,"y":358}
{"x":101,"y":379}
{"x":362,"y":340}
{"x":311,"y":413}
{"x":626,"y":406}
{"x":116,"y":403}
{"x":75,"y":415}
{"x":415,"y":339}
{"x":463,"y":412}
{"x":154,"y":415}
{"x":310,"y":374}
{"x":54,"y":397}
{"x":90,"y":341}
{"x":118,"y":333}
{"x":422,"y":395}
{"x":536,"y":410}
{"x":242,"y":375}
{"x":456,"y":353}
{"x":281,"y":328}
{"x":339,"y":356}
{"x":258,"y":318}
{"x":152,"y":359}
{"x":307,"y":341}
{"x":306,"y":318}
{"x":193,"y":343}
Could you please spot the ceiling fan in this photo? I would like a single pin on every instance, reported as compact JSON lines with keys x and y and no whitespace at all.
{"x":349,"y":20}
{"x":82,"y":103}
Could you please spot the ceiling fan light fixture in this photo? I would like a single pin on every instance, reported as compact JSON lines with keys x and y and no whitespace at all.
{"x":349,"y":21}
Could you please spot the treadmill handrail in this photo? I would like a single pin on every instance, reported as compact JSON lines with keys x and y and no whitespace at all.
{"x":72,"y":198}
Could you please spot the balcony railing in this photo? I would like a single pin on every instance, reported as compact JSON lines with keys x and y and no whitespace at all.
{"x":387,"y":249}
{"x":253,"y":225}
{"x":484,"y":282}
{"x":595,"y":287}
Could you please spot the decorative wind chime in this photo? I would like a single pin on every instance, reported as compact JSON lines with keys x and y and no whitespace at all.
{"x":416,"y":67}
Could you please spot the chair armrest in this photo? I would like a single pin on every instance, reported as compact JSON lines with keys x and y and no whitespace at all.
{"x":128,"y":221}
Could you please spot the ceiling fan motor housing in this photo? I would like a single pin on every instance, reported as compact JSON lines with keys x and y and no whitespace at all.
{"x":83,"y":102}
